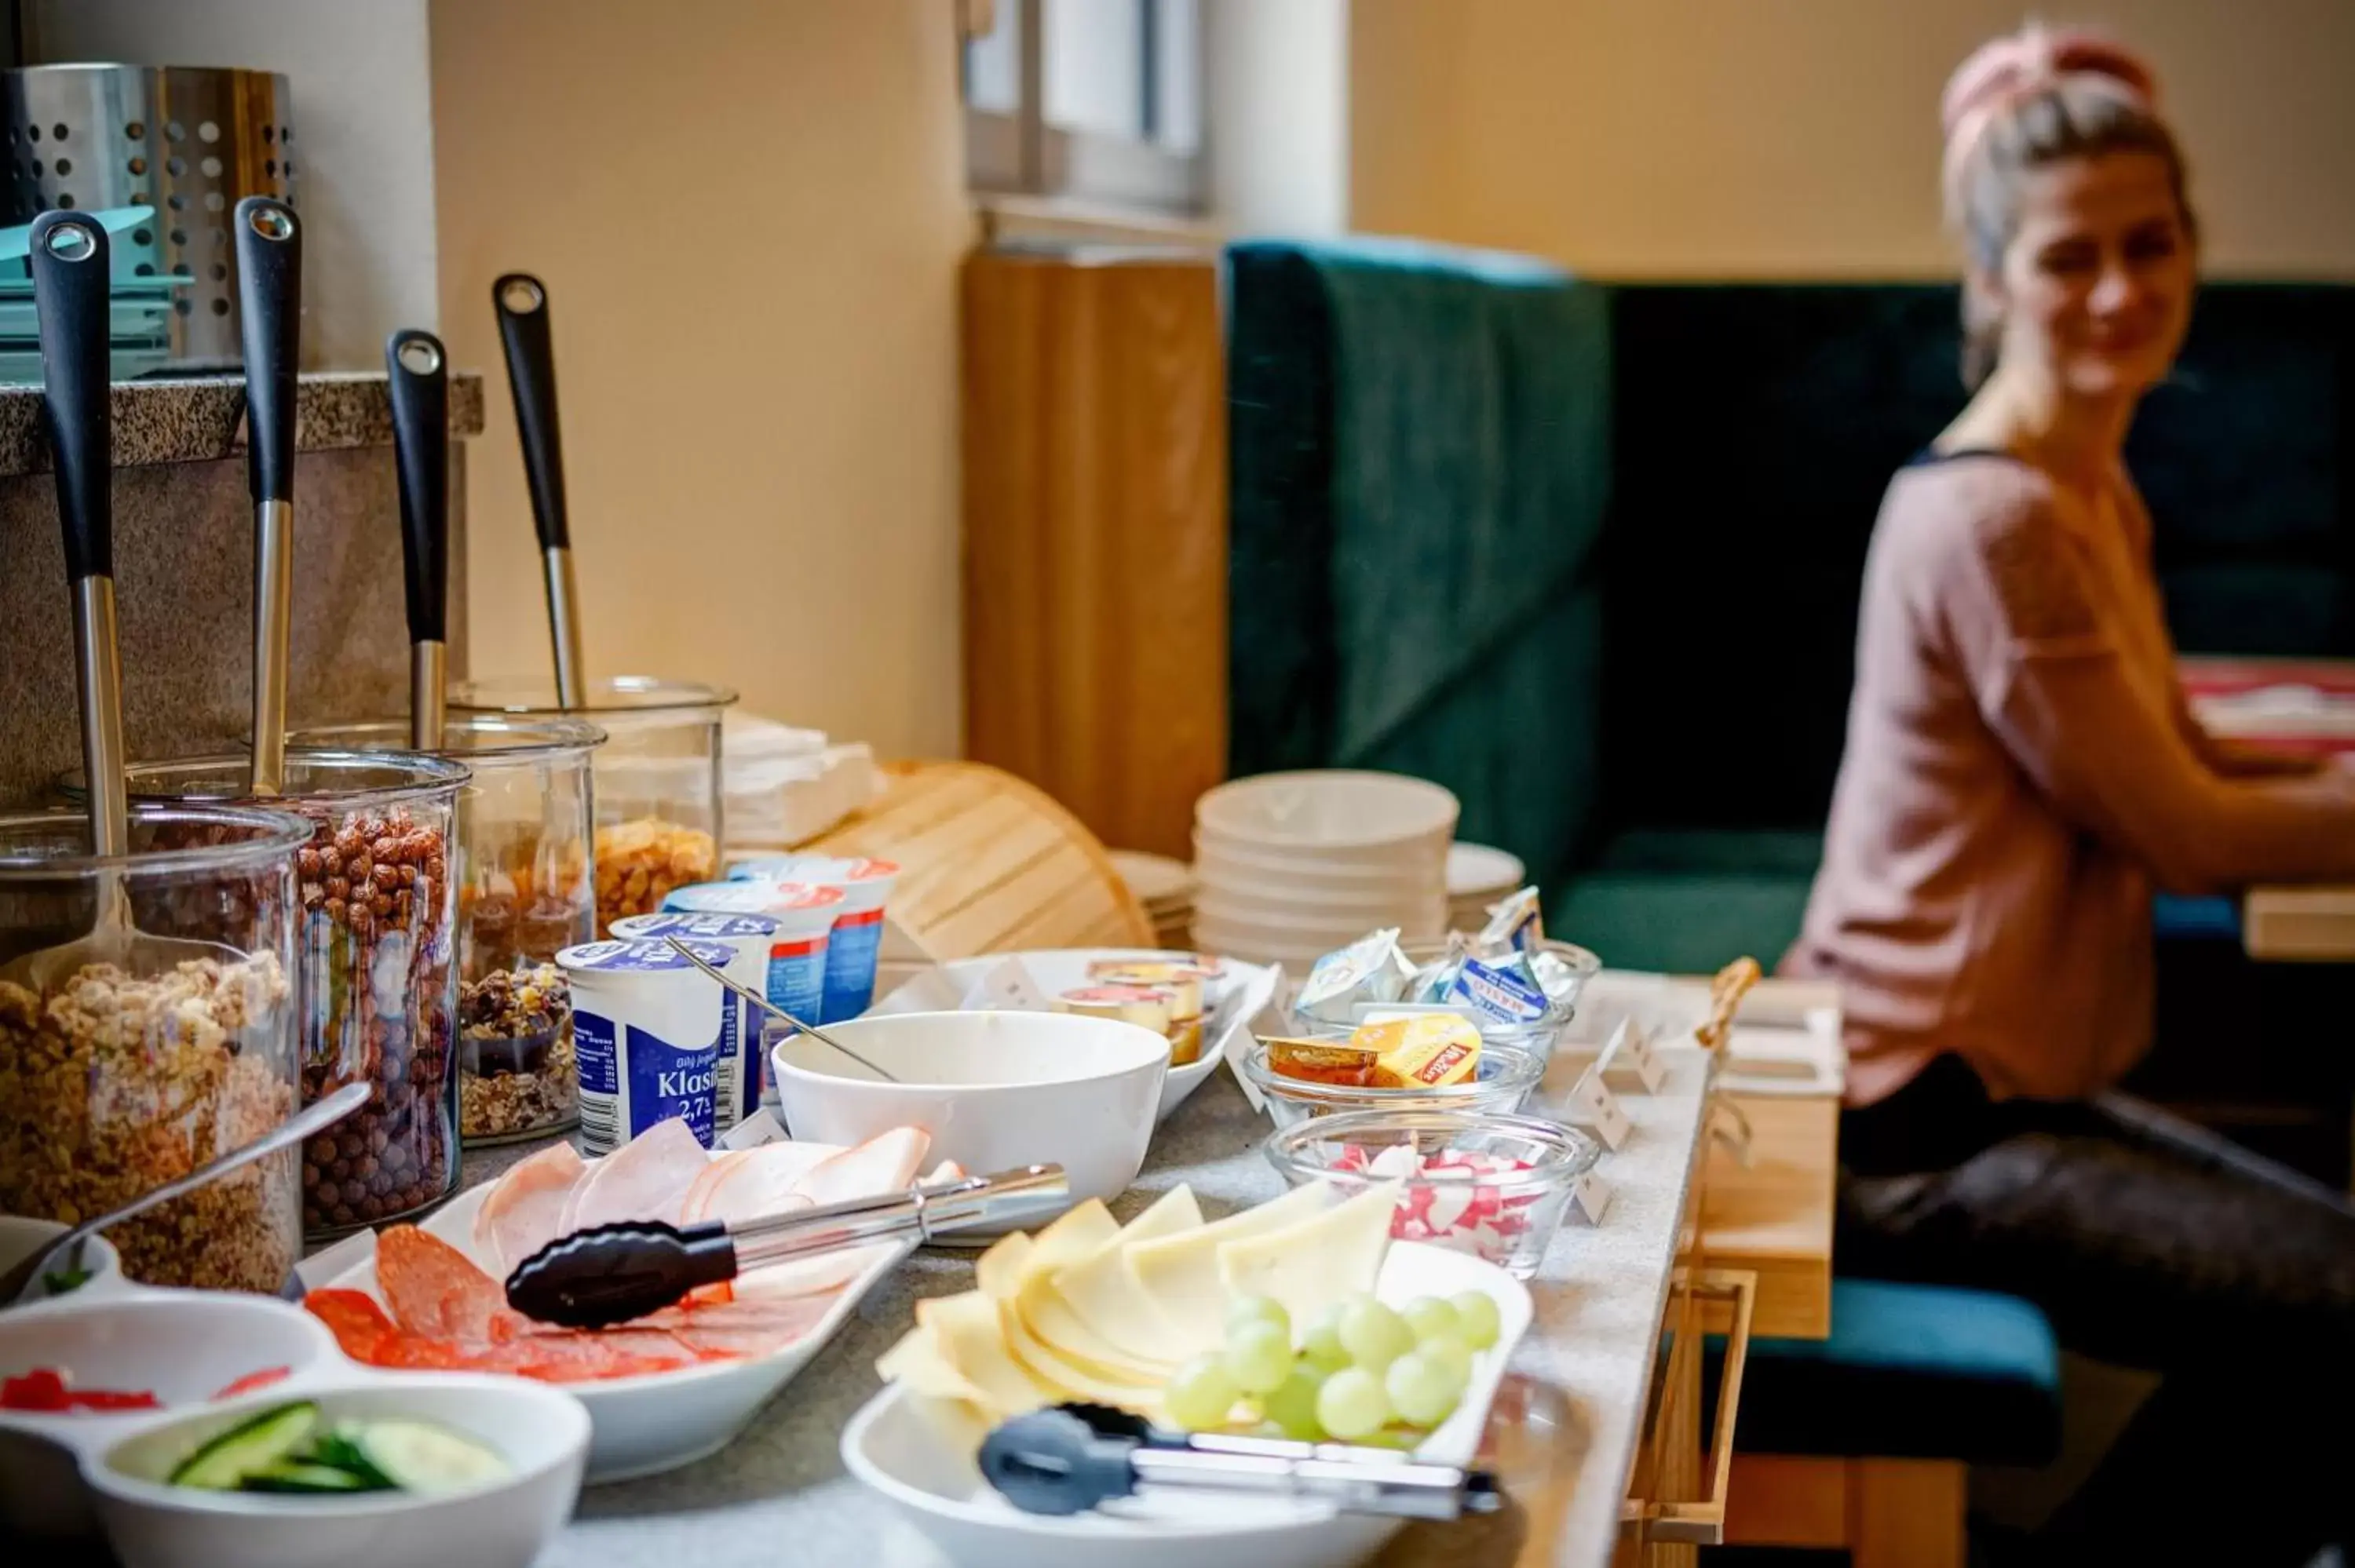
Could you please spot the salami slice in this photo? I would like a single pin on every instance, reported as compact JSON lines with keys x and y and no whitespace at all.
{"x":355,"y":1318}
{"x":433,"y":1289}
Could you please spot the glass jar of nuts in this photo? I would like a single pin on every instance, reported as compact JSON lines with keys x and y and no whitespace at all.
{"x":658,"y":781}
{"x":524,"y":891}
{"x":128,"y":1063}
{"x":375,"y":962}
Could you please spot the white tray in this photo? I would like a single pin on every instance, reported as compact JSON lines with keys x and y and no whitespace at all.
{"x":1228,"y":1007}
{"x":658,"y":1421}
{"x":918,"y":1452}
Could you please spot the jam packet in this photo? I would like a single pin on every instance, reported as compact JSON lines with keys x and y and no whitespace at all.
{"x":1514,"y":921}
{"x":1370,"y":968}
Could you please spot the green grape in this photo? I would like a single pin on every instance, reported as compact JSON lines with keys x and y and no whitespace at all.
{"x":1293,"y":1408}
{"x":1430,"y":1318}
{"x":1202,"y":1394}
{"x":1259,"y":1356}
{"x":1322,"y":1343}
{"x":1374,"y":1335}
{"x":1450,"y":1351}
{"x":1477,"y":1310}
{"x":1352,"y":1404}
{"x":1420,"y":1389}
{"x":1259,"y":1309}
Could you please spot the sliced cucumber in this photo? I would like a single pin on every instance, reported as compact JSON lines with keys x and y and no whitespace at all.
{"x":249,"y":1448}
{"x":296,"y":1476}
{"x":419,"y":1457}
{"x":338,"y":1450}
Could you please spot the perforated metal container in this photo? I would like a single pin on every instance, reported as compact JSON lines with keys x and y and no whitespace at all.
{"x":188,"y":141}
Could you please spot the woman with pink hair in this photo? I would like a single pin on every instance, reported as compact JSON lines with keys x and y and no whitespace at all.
{"x":2020,"y":774}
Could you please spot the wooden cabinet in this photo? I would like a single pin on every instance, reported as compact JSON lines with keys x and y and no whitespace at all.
{"x":1095,"y":532}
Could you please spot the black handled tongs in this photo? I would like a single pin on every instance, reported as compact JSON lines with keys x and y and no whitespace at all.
{"x":1072,"y":1458}
{"x":610,"y":1273}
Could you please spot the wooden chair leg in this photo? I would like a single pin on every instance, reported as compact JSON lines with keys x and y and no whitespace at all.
{"x":1906,"y":1513}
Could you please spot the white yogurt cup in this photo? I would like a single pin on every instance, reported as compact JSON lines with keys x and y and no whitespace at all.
{"x":736,"y":1078}
{"x":648,"y":1028}
{"x":801,"y":951}
{"x":866,"y":887}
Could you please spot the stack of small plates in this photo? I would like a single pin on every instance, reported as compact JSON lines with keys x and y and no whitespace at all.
{"x":1479,"y":876}
{"x":1165,"y":888}
{"x":1293,"y":865}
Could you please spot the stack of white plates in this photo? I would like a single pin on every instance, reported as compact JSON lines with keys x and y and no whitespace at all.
{"x":1479,"y":876}
{"x":1291,"y":865}
{"x":1165,"y":888}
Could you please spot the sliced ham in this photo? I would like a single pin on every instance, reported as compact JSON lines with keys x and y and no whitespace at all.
{"x":645,"y":1178}
{"x":698,"y":1192}
{"x":884,"y":1163}
{"x":753,"y":1184}
{"x":522,"y":1211}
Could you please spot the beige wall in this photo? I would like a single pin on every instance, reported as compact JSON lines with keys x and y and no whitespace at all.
{"x":1769,"y":138}
{"x":749,"y":214}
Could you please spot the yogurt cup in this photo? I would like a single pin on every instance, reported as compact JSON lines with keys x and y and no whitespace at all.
{"x":736,"y":1078}
{"x":800,"y":949}
{"x":648,"y":1028}
{"x":866,"y":887}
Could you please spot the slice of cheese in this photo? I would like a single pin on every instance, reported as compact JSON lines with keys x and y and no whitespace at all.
{"x":1179,"y":1274}
{"x":965,"y":1331}
{"x":1105,"y":1297}
{"x":1080,"y":1232}
{"x":1042,"y":1365}
{"x":1317,"y":1262}
{"x":1047,"y":1313}
{"x":998,"y":1271}
{"x":917,"y":1362}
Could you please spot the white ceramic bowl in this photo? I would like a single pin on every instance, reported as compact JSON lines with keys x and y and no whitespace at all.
{"x":1481,"y":871}
{"x":1325,"y":871}
{"x":1329,"y":809}
{"x":19,"y":1235}
{"x":994,"y":1090}
{"x":183,"y":1346}
{"x":918,"y":1454}
{"x":542,"y":1431}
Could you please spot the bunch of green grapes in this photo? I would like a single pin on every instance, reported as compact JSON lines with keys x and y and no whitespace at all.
{"x":1360,"y":1369}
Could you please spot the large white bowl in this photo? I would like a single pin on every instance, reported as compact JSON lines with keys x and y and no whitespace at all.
{"x":20,"y":1236}
{"x":1229,"y":1002}
{"x":918,"y":1454}
{"x":994,"y":1089}
{"x":1329,"y":808}
{"x":182,"y":1346}
{"x":1218,"y":859}
{"x":1420,"y":918}
{"x":543,"y":1432}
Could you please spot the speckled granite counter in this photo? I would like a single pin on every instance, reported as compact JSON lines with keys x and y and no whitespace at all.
{"x":184,"y":569}
{"x":779,"y":1493}
{"x":198,"y":419}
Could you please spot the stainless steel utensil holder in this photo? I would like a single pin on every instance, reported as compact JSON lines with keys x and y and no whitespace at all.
{"x":190,"y":142}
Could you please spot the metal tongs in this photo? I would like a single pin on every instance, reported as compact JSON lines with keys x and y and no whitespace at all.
{"x":1072,"y":1458}
{"x":610,"y":1273}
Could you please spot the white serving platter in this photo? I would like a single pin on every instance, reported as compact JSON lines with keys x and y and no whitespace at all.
{"x":659,"y":1421}
{"x":917,"y":1453}
{"x":1229,"y":1003}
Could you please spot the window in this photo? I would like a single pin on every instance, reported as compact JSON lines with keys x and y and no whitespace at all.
{"x":1094,"y":100}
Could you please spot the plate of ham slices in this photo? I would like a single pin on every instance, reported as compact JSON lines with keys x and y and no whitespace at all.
{"x":661,"y":1390}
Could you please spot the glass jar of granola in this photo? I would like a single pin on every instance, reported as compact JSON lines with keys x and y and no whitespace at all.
{"x":376,"y":966}
{"x":114,"y":1080}
{"x":659,"y":782}
{"x":525,"y":892}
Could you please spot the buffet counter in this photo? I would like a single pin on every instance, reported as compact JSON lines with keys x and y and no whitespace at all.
{"x":1572,"y":1418}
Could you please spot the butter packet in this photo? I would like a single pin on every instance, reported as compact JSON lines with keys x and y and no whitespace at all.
{"x":1505,"y":991}
{"x":1370,"y":968}
{"x":1420,"y":1051}
{"x":1515,"y":922}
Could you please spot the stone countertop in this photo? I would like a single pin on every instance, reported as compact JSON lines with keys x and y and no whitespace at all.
{"x":1583,"y":1374}
{"x":196,"y":417}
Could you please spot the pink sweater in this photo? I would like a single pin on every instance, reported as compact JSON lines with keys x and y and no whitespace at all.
{"x":2021,"y":770}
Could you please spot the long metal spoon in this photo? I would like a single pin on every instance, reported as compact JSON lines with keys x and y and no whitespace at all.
{"x":310,"y":1119}
{"x":773,"y":1010}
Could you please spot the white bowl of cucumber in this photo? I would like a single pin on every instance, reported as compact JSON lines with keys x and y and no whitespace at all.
{"x":380,"y":1473}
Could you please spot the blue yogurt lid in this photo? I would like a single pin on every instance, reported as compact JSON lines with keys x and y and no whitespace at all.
{"x":690,"y":925}
{"x":641,"y":956}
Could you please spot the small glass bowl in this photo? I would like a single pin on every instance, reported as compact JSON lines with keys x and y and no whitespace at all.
{"x":1508,"y":1217}
{"x":1537,"y":1036}
{"x":1506,"y":1075}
